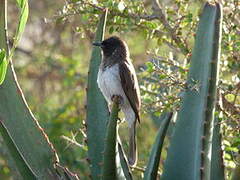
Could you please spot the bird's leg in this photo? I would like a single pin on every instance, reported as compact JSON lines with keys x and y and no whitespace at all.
{"x":119,"y":121}
{"x":120,"y":99}
{"x":109,"y":108}
{"x":120,"y":102}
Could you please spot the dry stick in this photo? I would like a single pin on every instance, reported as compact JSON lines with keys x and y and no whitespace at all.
{"x":72,"y":141}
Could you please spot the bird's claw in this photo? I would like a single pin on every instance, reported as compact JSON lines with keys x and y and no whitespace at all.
{"x":118,"y":97}
{"x":119,"y":121}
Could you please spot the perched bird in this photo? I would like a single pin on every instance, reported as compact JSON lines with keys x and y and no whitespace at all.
{"x":117,"y":77}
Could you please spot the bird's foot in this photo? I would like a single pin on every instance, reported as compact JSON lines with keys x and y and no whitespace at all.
{"x":119,"y":121}
{"x":117,"y":98}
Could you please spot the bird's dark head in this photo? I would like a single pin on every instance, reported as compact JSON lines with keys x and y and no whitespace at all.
{"x":113,"y":46}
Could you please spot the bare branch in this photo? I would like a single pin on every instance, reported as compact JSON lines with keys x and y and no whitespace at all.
{"x":158,"y":14}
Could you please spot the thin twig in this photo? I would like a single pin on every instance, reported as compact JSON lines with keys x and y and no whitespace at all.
{"x":170,"y":62}
{"x":158,"y":14}
{"x":72,"y":141}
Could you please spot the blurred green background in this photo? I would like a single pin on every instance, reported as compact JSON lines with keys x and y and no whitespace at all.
{"x":52,"y":61}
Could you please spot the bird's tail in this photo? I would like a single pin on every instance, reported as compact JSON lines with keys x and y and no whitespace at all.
{"x":132,"y":158}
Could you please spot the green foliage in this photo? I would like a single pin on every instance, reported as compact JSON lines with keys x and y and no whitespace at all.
{"x":3,"y":65}
{"x":3,"y":53}
{"x":23,"y":5}
{"x":4,"y":60}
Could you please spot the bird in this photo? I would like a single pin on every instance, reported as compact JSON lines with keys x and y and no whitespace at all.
{"x":117,"y":77}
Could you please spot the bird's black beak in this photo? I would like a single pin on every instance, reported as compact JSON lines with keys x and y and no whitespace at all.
{"x":97,"y":44}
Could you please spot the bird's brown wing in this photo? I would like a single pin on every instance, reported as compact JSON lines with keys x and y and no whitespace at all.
{"x":130,"y":86}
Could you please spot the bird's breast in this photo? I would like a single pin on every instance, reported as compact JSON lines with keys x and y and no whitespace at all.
{"x":109,"y":82}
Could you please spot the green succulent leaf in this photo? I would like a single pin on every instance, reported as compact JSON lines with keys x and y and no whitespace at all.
{"x":21,"y":163}
{"x":124,"y":162}
{"x":97,"y":109}
{"x":191,"y":144}
{"x":153,"y":163}
{"x":109,"y":157}
{"x":217,"y":166}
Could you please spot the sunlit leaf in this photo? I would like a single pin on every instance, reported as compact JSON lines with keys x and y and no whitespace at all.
{"x":3,"y":65}
{"x":23,"y":5}
{"x":121,"y":6}
{"x":150,"y":67}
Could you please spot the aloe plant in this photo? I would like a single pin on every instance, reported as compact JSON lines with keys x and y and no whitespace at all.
{"x":22,"y":165}
{"x":115,"y":164}
{"x":217,"y":166}
{"x":124,"y":166}
{"x":189,"y":155}
{"x":153,"y":163}
{"x":109,"y":158}
{"x":97,"y":110}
